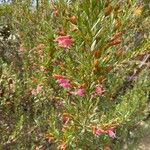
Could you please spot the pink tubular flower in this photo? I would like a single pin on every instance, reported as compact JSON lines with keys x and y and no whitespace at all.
{"x":97,"y":131}
{"x":64,"y":83}
{"x":64,"y":41}
{"x":111,"y":133}
{"x":99,"y":90}
{"x":61,"y":81}
{"x":79,"y":92}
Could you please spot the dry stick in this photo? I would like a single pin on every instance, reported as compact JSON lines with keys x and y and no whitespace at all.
{"x":140,"y":66}
{"x":144,"y":61}
{"x":129,"y":79}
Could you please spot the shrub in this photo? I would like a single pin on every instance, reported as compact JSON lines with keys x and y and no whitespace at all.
{"x":83,"y":82}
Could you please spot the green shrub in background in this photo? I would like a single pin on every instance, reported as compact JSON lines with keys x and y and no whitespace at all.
{"x":76,"y":76}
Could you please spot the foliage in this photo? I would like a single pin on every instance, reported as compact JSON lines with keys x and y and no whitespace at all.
{"x":77,"y":75}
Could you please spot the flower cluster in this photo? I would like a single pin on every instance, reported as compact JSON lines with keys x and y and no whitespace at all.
{"x":64,"y":41}
{"x":62,"y":81}
{"x":99,"y":131}
{"x":80,"y":92}
{"x":65,"y":83}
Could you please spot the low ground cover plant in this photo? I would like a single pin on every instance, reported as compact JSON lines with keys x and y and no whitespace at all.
{"x":74,"y":74}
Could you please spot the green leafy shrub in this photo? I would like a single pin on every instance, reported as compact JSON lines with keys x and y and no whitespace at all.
{"x":84,"y":78}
